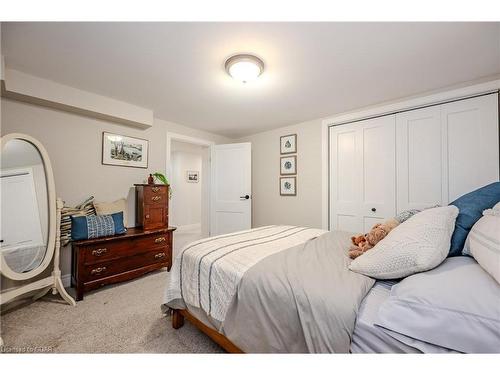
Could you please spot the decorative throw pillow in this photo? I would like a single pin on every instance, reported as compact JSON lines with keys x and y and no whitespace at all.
{"x":471,"y":207}
{"x":483,"y":243}
{"x":95,"y":226}
{"x":406,"y":214}
{"x":419,"y":244}
{"x":107,"y":208}
{"x":83,"y":209}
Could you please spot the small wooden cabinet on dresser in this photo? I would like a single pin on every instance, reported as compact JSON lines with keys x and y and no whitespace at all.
{"x":106,"y":260}
{"x":151,"y":206}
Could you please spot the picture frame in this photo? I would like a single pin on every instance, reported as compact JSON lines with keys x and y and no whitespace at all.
{"x":124,"y":151}
{"x":288,"y":165}
{"x":288,"y":186}
{"x":288,"y":144}
{"x":192,"y":176}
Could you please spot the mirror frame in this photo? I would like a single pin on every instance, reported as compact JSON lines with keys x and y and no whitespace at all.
{"x":5,"y":270}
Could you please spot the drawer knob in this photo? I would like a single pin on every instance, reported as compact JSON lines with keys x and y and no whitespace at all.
{"x":156,"y":198}
{"x":99,"y":252}
{"x":374,"y":209}
{"x":155,"y":189}
{"x":159,"y":255}
{"x":160,"y":240}
{"x":147,"y":216}
{"x":97,"y":270}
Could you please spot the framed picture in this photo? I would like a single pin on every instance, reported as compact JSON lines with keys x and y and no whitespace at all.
{"x":288,"y":144}
{"x":288,"y":165}
{"x":124,"y":151}
{"x":288,"y":186}
{"x":192,"y":176}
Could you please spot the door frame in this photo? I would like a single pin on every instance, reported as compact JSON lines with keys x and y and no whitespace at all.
{"x":206,"y":192}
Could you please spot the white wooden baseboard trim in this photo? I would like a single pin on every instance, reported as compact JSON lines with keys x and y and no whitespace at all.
{"x":66,"y":280}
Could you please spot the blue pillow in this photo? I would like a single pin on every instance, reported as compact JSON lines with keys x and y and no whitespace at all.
{"x":471,"y":207}
{"x":95,"y":226}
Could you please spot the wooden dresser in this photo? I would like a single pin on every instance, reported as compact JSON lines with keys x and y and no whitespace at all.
{"x":151,"y":206}
{"x":101,"y":261}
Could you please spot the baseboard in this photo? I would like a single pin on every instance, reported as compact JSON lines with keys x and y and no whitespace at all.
{"x":66,"y":280}
{"x":188,"y":227}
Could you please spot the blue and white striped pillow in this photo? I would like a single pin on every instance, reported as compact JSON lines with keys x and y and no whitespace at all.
{"x":95,"y":226}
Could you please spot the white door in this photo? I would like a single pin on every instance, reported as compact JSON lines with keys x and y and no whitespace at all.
{"x":231,"y":190}
{"x":362,"y":174}
{"x":420,"y":159}
{"x":471,"y":137}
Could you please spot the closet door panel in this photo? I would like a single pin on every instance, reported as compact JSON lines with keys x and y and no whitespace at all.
{"x":471,"y":138}
{"x":344,"y":178}
{"x":378,"y":170}
{"x":419,"y":159}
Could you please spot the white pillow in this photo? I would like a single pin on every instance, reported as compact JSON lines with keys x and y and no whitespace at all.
{"x":455,"y":306}
{"x":419,"y":244}
{"x":108,"y":208}
{"x":483,"y":243}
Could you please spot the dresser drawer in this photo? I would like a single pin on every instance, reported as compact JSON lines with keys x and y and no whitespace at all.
{"x":159,"y":240}
{"x":118,"y":249}
{"x":151,"y":197}
{"x":114,"y":267}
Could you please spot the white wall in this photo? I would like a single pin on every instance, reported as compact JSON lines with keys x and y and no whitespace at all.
{"x":74,"y":145}
{"x":267,"y":205}
{"x":185,"y":205}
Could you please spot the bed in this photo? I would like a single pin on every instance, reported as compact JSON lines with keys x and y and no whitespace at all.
{"x":275,"y":289}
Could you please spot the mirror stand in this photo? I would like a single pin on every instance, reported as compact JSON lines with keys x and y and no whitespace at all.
{"x":53,"y":282}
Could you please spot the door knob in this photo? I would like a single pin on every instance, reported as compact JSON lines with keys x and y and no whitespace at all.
{"x":374,"y":209}
{"x":245,"y":197}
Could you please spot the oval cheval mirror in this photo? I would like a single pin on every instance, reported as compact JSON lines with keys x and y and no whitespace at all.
{"x":30,"y":219}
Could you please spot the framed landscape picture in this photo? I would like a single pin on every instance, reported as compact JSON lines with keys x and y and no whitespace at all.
{"x":288,"y":144}
{"x":288,"y":186}
{"x":124,"y":151}
{"x":288,"y":165}
{"x":193,"y":176}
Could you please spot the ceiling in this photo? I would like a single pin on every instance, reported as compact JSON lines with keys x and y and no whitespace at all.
{"x":312,"y":70}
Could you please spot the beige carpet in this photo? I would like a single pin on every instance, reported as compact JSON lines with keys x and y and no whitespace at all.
{"x":123,"y":318}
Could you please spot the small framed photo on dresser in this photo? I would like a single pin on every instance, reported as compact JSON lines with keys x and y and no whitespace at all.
{"x":288,"y":144}
{"x":288,"y":165}
{"x":288,"y":186}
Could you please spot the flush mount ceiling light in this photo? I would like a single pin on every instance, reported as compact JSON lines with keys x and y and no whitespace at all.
{"x":244,"y":68}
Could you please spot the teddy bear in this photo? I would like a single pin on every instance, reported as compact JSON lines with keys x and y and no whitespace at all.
{"x":362,"y":243}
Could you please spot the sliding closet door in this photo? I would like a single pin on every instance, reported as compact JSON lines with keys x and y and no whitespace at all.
{"x":471,"y":137}
{"x":345,"y":178}
{"x":378,"y":189}
{"x":420,"y":159}
{"x":362,"y":174}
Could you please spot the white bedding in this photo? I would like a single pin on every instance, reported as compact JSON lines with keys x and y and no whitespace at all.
{"x":369,"y":338}
{"x":205,"y":273}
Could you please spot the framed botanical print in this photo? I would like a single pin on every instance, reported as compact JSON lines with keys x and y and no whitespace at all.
{"x":288,"y":165}
{"x":288,"y":186}
{"x":288,"y":144}
{"x":124,"y":151}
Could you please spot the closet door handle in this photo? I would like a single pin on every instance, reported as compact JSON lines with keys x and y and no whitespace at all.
{"x":245,"y":197}
{"x":374,"y":209}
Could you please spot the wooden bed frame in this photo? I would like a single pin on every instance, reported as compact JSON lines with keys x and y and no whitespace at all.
{"x":178,"y":321}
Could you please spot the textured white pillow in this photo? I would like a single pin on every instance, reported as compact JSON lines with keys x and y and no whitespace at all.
{"x":483,"y":243}
{"x":419,"y":244}
{"x":108,"y":208}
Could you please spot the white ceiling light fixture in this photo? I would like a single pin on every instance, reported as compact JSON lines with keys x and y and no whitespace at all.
{"x":244,"y":67}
